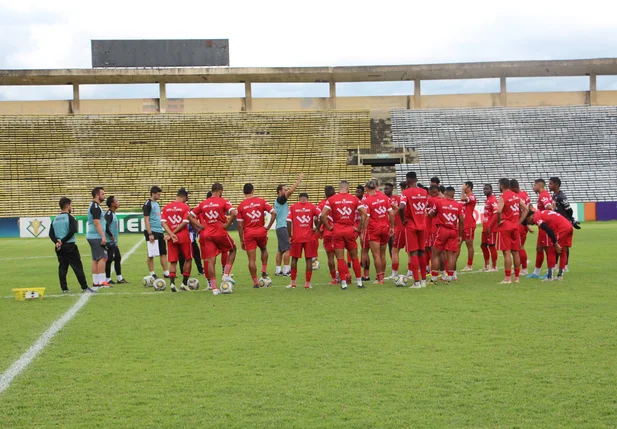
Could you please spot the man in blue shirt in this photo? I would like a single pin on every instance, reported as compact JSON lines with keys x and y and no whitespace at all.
{"x":112,"y":231}
{"x":95,"y":235}
{"x":62,"y":234}
{"x":154,"y":229}
{"x":282,"y":209}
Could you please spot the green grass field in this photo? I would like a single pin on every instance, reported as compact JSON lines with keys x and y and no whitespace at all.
{"x":473,"y":354}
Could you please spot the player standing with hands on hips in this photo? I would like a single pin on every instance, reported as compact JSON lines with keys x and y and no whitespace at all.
{"x":154,"y":231}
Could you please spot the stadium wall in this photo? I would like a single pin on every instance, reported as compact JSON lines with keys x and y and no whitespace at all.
{"x":207,"y":105}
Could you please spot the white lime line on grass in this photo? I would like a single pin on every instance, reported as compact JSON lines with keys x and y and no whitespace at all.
{"x":22,"y":363}
{"x":26,"y":257}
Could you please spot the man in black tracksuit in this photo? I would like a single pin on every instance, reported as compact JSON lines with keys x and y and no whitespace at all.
{"x":562,"y":206}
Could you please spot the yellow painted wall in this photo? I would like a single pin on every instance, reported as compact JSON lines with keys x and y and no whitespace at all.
{"x":606,"y":98}
{"x":206,"y":105}
{"x":56,"y":107}
{"x":122,"y":106}
{"x":459,"y":100}
{"x":535,"y":99}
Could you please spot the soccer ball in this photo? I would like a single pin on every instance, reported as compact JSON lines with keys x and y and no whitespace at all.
{"x":315,"y":265}
{"x":400,"y":281}
{"x":264,"y":282}
{"x":159,"y":285}
{"x":227,"y":287}
{"x":193,"y":284}
{"x":148,"y":281}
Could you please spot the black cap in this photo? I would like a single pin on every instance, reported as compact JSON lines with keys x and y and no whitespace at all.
{"x":183,"y":191}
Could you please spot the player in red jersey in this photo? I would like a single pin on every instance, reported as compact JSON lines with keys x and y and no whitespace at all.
{"x":301,"y":227}
{"x":252,"y":232}
{"x":175,"y":220}
{"x":469,"y":201}
{"x":511,"y":212}
{"x":210,"y":217}
{"x":523,"y":229}
{"x":343,"y":207}
{"x":450,"y":229}
{"x":489,"y":230}
{"x":327,"y":235}
{"x":431,"y":225}
{"x":399,"y":239}
{"x":365,"y":259}
{"x":544,"y":245}
{"x":413,"y":217}
{"x":559,"y":230}
{"x":380,"y":226}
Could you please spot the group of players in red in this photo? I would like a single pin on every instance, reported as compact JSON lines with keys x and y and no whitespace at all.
{"x":428,"y":223}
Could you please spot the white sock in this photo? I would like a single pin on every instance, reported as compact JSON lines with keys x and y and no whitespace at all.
{"x":536,"y":271}
{"x":449,"y":278}
{"x":278,"y":270}
{"x":101,"y":278}
{"x":107,"y":279}
{"x":287,"y":268}
{"x":343,"y":284}
{"x":95,"y":279}
{"x":152,"y":273}
{"x":166,"y":272}
{"x":359,"y":282}
{"x":455,"y":275}
{"x":119,"y":277}
{"x":394,"y":273}
{"x":409,"y":273}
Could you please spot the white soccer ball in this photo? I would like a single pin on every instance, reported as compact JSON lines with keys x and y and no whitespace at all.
{"x":264,"y":282}
{"x":159,"y":284}
{"x":147,"y":281}
{"x":400,"y":281}
{"x":193,"y":283}
{"x":316,"y":265}
{"x":227,"y":287}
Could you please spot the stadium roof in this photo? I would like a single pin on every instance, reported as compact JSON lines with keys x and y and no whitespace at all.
{"x":480,"y":70}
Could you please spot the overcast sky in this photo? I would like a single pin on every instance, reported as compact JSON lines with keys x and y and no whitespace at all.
{"x":38,"y":34}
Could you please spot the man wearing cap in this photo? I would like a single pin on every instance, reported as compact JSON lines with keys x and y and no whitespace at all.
{"x":175,"y":220}
{"x":154,"y":231}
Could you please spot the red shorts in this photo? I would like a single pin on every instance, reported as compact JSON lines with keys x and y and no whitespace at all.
{"x":345,"y":238}
{"x":328,"y":244}
{"x":446,"y":239}
{"x":469,"y":233}
{"x":523,"y":231}
{"x":252,"y":243}
{"x":364,"y":239}
{"x":174,"y":250}
{"x":211,"y":247}
{"x":415,"y":239}
{"x":490,"y":239}
{"x":310,"y":249}
{"x":400,"y":239}
{"x":565,"y":240}
{"x":379,"y":234}
{"x":543,"y":239}
{"x":509,"y":239}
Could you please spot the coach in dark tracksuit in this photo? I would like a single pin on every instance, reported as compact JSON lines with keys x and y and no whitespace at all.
{"x":62,"y":233}
{"x":111,"y":235}
{"x":562,"y":206}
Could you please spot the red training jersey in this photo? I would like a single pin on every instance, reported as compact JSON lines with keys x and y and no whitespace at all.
{"x":324,"y":232}
{"x":490,"y":212}
{"x":378,"y":207}
{"x":524,"y":196}
{"x":414,"y":200}
{"x":302,"y":217}
{"x":545,"y":201}
{"x":470,"y":207}
{"x":511,"y":211}
{"x":174,"y":214}
{"x":432,"y":221}
{"x":212,"y":214}
{"x":396,"y":201}
{"x":447,"y":212}
{"x":343,"y":208}
{"x":559,"y":224}
{"x":251,"y":213}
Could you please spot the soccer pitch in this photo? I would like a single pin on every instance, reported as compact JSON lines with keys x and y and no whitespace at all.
{"x":472,"y":354}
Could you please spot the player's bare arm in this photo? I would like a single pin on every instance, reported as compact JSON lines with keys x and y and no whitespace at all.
{"x":173,"y":237}
{"x":196,"y":224}
{"x":500,"y":207}
{"x":324,"y":218}
{"x":294,"y":186}
{"x":391,"y":219}
{"x":363,"y":219}
{"x":272,"y":220}
{"x":148,"y":229}
{"x":99,"y":229}
{"x":289,"y":229}
{"x":551,"y":234}
{"x":461,"y":228}
{"x":524,"y":210}
{"x":401,"y":212}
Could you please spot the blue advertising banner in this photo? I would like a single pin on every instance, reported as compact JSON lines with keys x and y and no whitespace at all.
{"x":9,"y":227}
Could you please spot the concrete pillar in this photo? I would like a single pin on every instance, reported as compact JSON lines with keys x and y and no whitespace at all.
{"x":248,"y":97}
{"x":162,"y":97}
{"x":332,"y":100}
{"x":75,"y":105}
{"x":417,"y":94}
{"x":503,"y":92}
{"x":592,"y":90}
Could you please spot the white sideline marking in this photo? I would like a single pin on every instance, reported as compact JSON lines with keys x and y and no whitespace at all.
{"x":26,"y":257}
{"x":22,"y":363}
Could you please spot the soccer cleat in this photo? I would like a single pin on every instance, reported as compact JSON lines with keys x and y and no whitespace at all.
{"x":532,"y":276}
{"x":166,"y":276}
{"x":105,"y":285}
{"x":434,"y":282}
{"x":467,"y":268}
{"x":185,"y":287}
{"x":333,"y":282}
{"x":505,"y":282}
{"x":516,"y":280}
{"x":485,"y":269}
{"x":154,"y":276}
{"x":416,"y":285}
{"x":524,"y":272}
{"x":216,"y":291}
{"x":446,"y":282}
{"x":308,"y":286}
{"x":493,"y":270}
{"x":361,"y":286}
{"x":366,"y":279}
{"x":290,"y":286}
{"x":547,"y":279}
{"x":66,"y":292}
{"x":423,"y":283}
{"x":88,"y":290}
{"x":255,"y":286}
{"x":392,"y":277}
{"x":559,"y":278}
{"x":280,"y":274}
{"x":200,"y":272}
{"x":111,"y":282}
{"x":123,"y":281}
{"x":229,"y":279}
{"x":344,"y":287}
{"x":173,"y":288}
